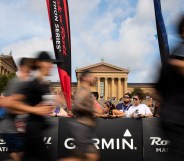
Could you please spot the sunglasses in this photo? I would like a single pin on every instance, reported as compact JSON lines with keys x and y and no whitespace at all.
{"x":126,"y":97}
{"x":135,"y":99}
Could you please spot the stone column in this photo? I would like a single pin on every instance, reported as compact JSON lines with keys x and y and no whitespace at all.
{"x":112,"y":87}
{"x":3,"y":71}
{"x":125,"y":85}
{"x":106,"y":88}
{"x":98,"y":82}
{"x":78,"y":83}
{"x":6,"y":72}
{"x":119,"y":88}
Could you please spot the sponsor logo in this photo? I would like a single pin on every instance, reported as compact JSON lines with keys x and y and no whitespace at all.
{"x":47,"y":140}
{"x":2,"y":142}
{"x":163,"y":144}
{"x":126,"y":142}
{"x":3,"y":147}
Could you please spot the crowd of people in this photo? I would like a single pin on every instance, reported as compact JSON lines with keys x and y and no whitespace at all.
{"x":29,"y":104}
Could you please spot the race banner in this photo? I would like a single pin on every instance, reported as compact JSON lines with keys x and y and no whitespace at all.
{"x":116,"y":139}
{"x":60,"y":28}
{"x":161,"y":32}
{"x":155,"y":142}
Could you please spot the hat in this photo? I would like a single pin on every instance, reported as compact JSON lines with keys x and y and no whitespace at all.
{"x":44,"y":56}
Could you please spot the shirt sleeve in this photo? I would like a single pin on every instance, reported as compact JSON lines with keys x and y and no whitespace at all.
{"x":147,"y":110}
{"x":128,"y":112}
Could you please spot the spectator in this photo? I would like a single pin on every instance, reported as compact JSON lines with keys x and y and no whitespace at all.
{"x":111,"y":111}
{"x":124,"y":106}
{"x":98,"y":109}
{"x":138,"y":109}
{"x":156,"y":112}
{"x":149,"y":103}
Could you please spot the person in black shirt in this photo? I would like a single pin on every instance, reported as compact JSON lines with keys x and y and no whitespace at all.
{"x":33,"y":93}
{"x":171,"y":89}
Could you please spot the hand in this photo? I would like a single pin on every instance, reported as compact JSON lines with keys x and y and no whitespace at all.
{"x":43,"y":110}
{"x":1,"y":99}
{"x":133,"y":115}
{"x":141,"y":116}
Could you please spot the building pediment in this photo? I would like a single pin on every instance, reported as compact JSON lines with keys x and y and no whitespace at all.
{"x":103,"y":68}
{"x":8,"y":61}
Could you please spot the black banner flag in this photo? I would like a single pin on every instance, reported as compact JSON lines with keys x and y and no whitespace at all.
{"x":60,"y":28}
{"x":161,"y":31}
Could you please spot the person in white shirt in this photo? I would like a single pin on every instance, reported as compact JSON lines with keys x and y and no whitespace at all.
{"x":138,"y":110}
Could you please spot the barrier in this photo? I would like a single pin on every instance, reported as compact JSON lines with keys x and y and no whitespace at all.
{"x":117,"y":139}
{"x":155,"y":142}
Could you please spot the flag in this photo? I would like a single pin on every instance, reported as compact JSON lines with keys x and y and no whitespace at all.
{"x":161,"y":32}
{"x":60,"y":28}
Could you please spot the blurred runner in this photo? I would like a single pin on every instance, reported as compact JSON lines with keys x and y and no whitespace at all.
{"x":171,"y":89}
{"x":82,"y":129}
{"x":13,"y":125}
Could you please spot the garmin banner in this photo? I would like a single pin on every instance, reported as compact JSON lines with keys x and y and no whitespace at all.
{"x":155,"y":143}
{"x":50,"y":138}
{"x":116,"y":139}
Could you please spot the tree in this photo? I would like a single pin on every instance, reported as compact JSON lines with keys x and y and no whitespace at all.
{"x":138,"y":90}
{"x":4,"y":80}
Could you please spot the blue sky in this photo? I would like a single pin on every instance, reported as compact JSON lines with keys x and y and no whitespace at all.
{"x":119,"y":31}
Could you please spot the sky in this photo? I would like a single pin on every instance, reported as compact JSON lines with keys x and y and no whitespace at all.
{"x":122,"y":32}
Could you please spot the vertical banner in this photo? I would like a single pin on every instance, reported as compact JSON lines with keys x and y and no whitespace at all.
{"x":60,"y":28}
{"x":161,"y":32}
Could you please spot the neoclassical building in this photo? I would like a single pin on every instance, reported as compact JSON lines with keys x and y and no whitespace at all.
{"x":111,"y":81}
{"x":7,"y":65}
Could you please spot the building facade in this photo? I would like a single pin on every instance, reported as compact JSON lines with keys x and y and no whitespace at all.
{"x":111,"y":81}
{"x":7,"y":65}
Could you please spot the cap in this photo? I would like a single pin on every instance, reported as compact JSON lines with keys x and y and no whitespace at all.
{"x":45,"y":56}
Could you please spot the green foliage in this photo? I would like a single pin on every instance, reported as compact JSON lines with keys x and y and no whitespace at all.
{"x":138,"y":90}
{"x":4,"y":80}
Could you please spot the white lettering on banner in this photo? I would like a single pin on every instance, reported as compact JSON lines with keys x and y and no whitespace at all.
{"x":55,"y":11}
{"x":105,"y":144}
{"x":162,"y":150}
{"x":108,"y":145}
{"x":125,"y":142}
{"x":69,"y":145}
{"x":58,"y":36}
{"x":159,"y":141}
{"x":3,"y":149}
{"x":56,"y":27}
{"x":2,"y":141}
{"x":47,"y":140}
